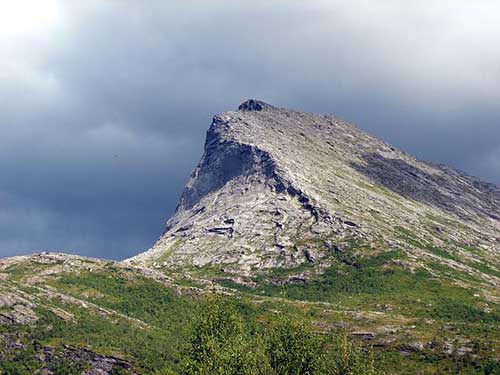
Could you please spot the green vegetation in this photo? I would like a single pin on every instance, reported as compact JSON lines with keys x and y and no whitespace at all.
{"x":223,"y":343}
{"x":484,"y":268}
{"x":361,"y":282}
{"x":275,"y":328}
{"x":226,"y":336}
{"x":139,"y":298}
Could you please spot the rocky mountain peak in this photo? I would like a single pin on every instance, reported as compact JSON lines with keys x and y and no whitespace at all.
{"x":281,"y":188}
{"x":253,"y":105}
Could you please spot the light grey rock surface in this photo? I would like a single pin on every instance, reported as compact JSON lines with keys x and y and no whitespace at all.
{"x":279,"y":188}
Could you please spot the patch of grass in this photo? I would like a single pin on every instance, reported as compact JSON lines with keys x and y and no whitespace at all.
{"x":447,"y":222}
{"x":137,"y":297}
{"x":147,"y":349}
{"x":484,"y":268}
{"x":440,"y":252}
{"x":363,"y":282}
{"x":28,"y":268}
{"x":167,"y":253}
{"x":452,"y":273}
{"x":285,"y":272}
{"x":451,"y":309}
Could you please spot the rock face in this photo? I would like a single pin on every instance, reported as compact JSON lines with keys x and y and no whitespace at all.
{"x":279,"y":188}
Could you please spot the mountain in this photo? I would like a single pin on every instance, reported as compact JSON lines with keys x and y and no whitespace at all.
{"x":288,"y":215}
{"x":278,"y":188}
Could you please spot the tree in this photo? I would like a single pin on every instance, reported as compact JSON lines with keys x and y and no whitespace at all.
{"x":294,"y":350}
{"x":223,"y":343}
{"x":345,"y":358}
{"x":219,"y":345}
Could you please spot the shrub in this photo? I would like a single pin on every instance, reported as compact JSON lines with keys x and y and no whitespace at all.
{"x":222,"y":343}
{"x":292,"y":349}
{"x":345,"y":358}
{"x":219,"y":345}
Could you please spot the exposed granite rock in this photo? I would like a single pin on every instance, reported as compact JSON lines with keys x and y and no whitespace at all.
{"x":94,"y":363}
{"x":439,"y":186}
{"x":280,"y":188}
{"x":252,"y":105}
{"x":15,"y":309}
{"x":364,"y":335}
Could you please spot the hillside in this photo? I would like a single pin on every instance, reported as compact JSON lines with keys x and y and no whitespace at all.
{"x":288,"y":214}
{"x":280,"y":189}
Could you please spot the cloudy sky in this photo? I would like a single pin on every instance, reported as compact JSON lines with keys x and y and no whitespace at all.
{"x":104,"y":104}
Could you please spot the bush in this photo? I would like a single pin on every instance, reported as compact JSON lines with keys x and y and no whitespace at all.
{"x":292,"y":349}
{"x":219,"y":345}
{"x":345,"y":358}
{"x":222,"y":343}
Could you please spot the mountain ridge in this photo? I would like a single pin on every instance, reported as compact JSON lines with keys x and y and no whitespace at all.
{"x":305,"y":177}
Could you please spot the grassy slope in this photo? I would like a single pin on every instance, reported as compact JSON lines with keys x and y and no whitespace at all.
{"x":404,"y":309}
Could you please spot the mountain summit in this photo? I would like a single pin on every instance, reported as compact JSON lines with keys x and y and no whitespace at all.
{"x":278,"y":188}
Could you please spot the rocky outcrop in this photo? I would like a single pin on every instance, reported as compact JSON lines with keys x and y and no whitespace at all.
{"x":92,"y":363}
{"x":274,"y":185}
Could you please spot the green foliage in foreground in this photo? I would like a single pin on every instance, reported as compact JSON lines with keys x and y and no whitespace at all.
{"x":226,"y":337}
{"x":221,"y":343}
{"x":244,"y":334}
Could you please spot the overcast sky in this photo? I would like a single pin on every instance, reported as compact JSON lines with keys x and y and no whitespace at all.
{"x":104,"y":104}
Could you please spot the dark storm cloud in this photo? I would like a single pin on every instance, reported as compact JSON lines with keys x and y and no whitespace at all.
{"x":103,"y":113}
